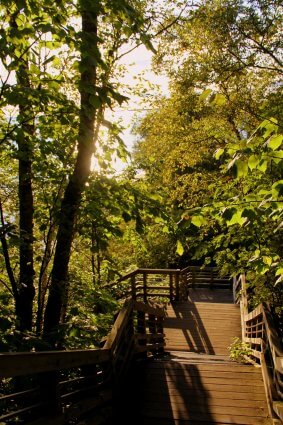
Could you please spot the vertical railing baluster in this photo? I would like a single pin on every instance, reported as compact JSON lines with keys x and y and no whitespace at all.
{"x":159,"y":329}
{"x":152,"y":328}
{"x":183,"y":286}
{"x":171,"y":292}
{"x":193,"y":278}
{"x":211,"y":279}
{"x":145,"y":287}
{"x":141,"y":329}
{"x":177,"y":282}
{"x":133,"y":287}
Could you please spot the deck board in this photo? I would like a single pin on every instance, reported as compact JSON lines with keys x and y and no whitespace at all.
{"x":202,"y":327}
{"x":195,"y":383}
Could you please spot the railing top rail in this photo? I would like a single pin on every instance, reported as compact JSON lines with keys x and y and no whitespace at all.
{"x":119,"y":324}
{"x":121,"y":279}
{"x":139,"y":271}
{"x":157,"y":311}
{"x":23,"y":363}
{"x":269,"y":329}
{"x":157,"y":271}
{"x":202,"y":268}
{"x":123,"y":316}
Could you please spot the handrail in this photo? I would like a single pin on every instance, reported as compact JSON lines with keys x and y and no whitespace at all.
{"x":172,"y":284}
{"x":259,"y":332}
{"x":17,"y":364}
{"x":58,"y":382}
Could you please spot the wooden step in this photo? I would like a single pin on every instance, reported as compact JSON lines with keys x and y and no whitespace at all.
{"x":183,"y":392}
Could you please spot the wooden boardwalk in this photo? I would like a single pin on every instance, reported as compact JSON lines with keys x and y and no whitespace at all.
{"x":196,"y":383}
{"x":202,"y":325}
{"x":131,"y":380}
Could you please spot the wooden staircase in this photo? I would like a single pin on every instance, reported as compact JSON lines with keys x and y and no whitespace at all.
{"x":161,"y":366}
{"x":202,"y":327}
{"x":188,"y":391}
{"x":195,"y":383}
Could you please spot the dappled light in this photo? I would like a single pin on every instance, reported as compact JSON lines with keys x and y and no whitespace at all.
{"x":141,"y":202}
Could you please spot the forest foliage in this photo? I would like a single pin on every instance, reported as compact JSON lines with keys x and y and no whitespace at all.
{"x":205,"y":182}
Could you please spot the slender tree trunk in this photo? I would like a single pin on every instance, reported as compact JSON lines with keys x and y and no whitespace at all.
{"x":73,"y":193}
{"x":44,"y":276}
{"x":26,"y":291}
{"x":93,"y":268}
{"x":5,"y":249}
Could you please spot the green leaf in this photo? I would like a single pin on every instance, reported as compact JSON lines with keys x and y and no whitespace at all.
{"x":198,"y":220}
{"x":270,"y":126}
{"x":205,"y":94}
{"x":277,"y":187}
{"x":119,"y":97}
{"x":74,"y":332}
{"x":165,"y":229}
{"x":266,"y":123}
{"x":219,"y":99}
{"x":249,"y":213}
{"x":20,"y":19}
{"x":219,"y":152}
{"x":242,"y":168}
{"x":262,"y":166}
{"x":237,"y":219}
{"x":267,"y":260}
{"x":228,"y":213}
{"x":275,"y":141}
{"x":180,"y":248}
{"x":95,"y":101}
{"x":279,"y":271}
{"x":253,"y":162}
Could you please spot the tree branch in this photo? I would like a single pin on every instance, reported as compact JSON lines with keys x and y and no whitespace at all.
{"x":10,"y":272}
{"x":163,"y":29}
{"x":7,"y":287}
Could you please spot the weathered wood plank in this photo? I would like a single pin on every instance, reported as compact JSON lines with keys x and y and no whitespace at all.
{"x":195,"y":382}
{"x":225,"y":418}
{"x":208,"y":374}
{"x":212,"y":394}
{"x":186,"y":410}
{"x":19,"y":364}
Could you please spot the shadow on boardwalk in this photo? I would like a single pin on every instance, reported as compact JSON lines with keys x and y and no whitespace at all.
{"x":163,"y":393}
{"x":190,"y":327}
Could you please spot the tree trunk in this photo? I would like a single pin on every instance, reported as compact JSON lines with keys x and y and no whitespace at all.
{"x":43,"y":279}
{"x":26,"y":291}
{"x":73,"y":193}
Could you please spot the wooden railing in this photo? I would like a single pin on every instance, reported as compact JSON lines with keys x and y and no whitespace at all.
{"x":205,"y":276}
{"x":259,"y":332}
{"x":170,"y":284}
{"x":60,"y":387}
{"x":148,"y":284}
{"x":69,"y":384}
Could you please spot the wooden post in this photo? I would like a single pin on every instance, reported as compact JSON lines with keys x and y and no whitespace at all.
{"x":159,"y":329}
{"x":183,"y":287}
{"x":48,"y":383}
{"x":211,"y":279}
{"x":141,"y":329}
{"x":177,"y":280}
{"x":193,"y":278}
{"x":152,"y":328}
{"x":243,"y":305}
{"x":171,"y":287}
{"x":145,"y":287}
{"x":133,"y":287}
